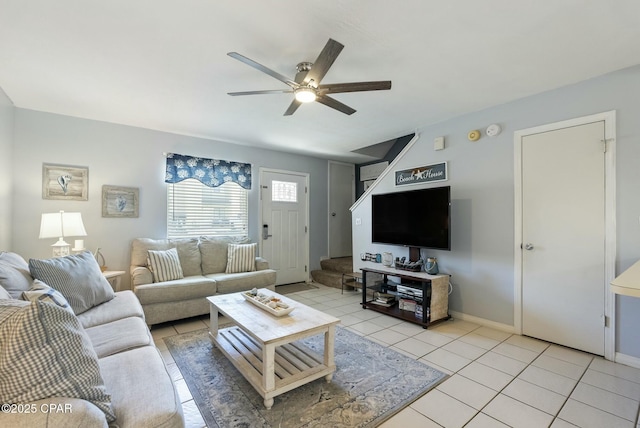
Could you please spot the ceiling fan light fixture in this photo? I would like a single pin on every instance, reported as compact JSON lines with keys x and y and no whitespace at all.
{"x":305,"y":95}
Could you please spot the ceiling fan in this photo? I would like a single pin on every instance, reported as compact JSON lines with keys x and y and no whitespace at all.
{"x":306,"y":85}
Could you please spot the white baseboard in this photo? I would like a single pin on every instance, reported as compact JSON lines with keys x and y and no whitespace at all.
{"x":483,"y":322}
{"x":627,"y":360}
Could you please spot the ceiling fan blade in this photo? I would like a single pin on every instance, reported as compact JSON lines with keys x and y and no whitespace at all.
{"x":354,"y":87}
{"x":324,"y":61}
{"x":292,"y":107}
{"x":275,"y":91}
{"x":335,"y":104}
{"x":262,"y":68}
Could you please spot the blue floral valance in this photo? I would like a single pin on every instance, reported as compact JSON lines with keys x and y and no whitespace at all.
{"x":210,"y":172}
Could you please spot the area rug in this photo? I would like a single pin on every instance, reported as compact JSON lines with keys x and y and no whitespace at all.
{"x":371,"y":384}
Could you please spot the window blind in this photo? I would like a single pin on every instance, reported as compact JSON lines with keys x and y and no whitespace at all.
{"x":194,"y":209}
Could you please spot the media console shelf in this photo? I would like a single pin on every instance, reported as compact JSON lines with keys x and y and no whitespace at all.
{"x":434,"y":290}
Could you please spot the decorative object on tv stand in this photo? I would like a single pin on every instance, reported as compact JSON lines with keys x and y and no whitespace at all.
{"x":387,"y":259}
{"x":58,"y":225}
{"x":432,"y":266}
{"x":100,"y":259}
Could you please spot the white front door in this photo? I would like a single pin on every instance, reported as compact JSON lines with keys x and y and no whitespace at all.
{"x":341,"y":196}
{"x":284,"y":224}
{"x":563,"y":236}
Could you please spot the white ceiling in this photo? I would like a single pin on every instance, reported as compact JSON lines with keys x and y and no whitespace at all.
{"x":162,"y":64}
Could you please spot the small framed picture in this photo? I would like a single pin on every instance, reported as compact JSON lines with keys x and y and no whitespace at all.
{"x":119,"y":201}
{"x":65,"y":182}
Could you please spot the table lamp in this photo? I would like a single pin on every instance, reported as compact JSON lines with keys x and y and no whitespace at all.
{"x":628,"y":282}
{"x":58,"y":225}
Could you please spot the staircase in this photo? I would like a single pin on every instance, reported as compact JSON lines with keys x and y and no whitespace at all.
{"x":332,"y":270}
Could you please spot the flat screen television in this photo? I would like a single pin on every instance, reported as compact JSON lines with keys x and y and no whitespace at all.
{"x":414,"y":218}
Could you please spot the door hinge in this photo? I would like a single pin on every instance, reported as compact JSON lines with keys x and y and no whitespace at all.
{"x":305,"y":268}
{"x":305,"y":229}
{"x":605,"y":321}
{"x":604,"y":143}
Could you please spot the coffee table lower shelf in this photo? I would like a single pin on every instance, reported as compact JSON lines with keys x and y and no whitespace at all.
{"x":295,"y":364}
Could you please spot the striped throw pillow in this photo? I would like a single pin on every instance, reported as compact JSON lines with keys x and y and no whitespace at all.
{"x":165,"y":265}
{"x":241,"y":258}
{"x":78,"y":277}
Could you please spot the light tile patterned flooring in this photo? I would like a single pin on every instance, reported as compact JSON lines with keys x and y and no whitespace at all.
{"x":496,"y":379}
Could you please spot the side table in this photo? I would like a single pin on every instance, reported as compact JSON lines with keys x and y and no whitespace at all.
{"x":114,"y":277}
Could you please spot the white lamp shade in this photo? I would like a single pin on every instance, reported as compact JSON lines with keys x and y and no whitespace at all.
{"x":61,"y":224}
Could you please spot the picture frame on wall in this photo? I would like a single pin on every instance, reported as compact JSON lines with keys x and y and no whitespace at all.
{"x":118,"y":201}
{"x":65,"y":182}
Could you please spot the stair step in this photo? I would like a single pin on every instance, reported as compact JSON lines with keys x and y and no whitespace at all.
{"x":327,"y":277}
{"x":338,"y":264}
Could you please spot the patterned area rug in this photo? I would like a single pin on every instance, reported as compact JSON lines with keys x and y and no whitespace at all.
{"x":370,"y":385}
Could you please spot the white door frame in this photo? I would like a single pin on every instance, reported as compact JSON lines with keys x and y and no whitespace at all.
{"x":353,"y":196}
{"x":262,"y":170}
{"x":609,"y":119}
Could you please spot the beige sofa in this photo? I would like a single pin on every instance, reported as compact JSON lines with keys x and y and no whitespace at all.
{"x":132,"y":372}
{"x":204,"y":266}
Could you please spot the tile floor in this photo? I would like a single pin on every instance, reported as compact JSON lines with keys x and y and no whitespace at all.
{"x":496,"y":379}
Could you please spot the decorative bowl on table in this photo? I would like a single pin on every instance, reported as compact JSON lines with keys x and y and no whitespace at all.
{"x":271,"y":304}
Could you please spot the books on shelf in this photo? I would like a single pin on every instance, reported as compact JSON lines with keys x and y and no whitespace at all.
{"x":384,"y":299}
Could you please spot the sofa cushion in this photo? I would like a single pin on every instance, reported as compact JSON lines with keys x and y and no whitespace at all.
{"x":232,"y":283}
{"x":125,"y":304}
{"x":45,"y":353}
{"x":78,"y":277}
{"x":118,"y":336}
{"x":165,"y":265}
{"x":41,"y":291}
{"x":14,"y":274}
{"x":187,"y":248}
{"x":213,"y":250}
{"x":143,"y":393}
{"x":241,"y":258}
{"x":190,"y":287}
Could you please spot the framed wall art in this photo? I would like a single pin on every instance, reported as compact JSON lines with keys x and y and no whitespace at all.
{"x":65,"y":182}
{"x":119,"y":201}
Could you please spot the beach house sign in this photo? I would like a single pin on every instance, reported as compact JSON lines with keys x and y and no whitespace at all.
{"x":422,"y":174}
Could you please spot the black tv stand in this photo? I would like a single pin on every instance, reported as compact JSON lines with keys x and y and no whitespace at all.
{"x":434,"y":290}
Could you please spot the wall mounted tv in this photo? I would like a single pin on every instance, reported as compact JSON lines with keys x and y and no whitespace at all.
{"x":414,"y":218}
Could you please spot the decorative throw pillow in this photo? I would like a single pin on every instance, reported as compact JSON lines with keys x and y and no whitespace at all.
{"x":42,"y":292}
{"x":14,"y":274}
{"x":77,"y":277}
{"x":165,"y":265}
{"x":4,"y":294}
{"x":46,"y":353}
{"x":241,"y":258}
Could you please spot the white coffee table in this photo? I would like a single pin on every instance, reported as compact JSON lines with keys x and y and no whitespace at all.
{"x":264,"y":347}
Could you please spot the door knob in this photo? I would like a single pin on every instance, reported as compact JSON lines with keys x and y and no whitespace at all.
{"x":528,"y":246}
{"x":333,"y":214}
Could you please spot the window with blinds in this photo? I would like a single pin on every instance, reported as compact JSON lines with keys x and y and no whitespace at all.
{"x":194,"y":209}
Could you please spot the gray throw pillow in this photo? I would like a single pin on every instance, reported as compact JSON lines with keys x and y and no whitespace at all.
{"x":46,"y":353}
{"x":77,"y":277}
{"x":165,"y":265}
{"x":42,"y":292}
{"x":14,"y":274}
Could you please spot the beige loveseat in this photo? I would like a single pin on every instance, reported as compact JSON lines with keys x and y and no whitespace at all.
{"x":94,"y":369}
{"x":203,"y":262}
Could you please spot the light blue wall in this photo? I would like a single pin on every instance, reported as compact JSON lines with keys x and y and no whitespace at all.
{"x":128,"y":156}
{"x":6,"y":169}
{"x":482,"y":181}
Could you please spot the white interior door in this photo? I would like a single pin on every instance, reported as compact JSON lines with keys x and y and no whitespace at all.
{"x":342,"y":193}
{"x":563,"y":236}
{"x":284,"y":224}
